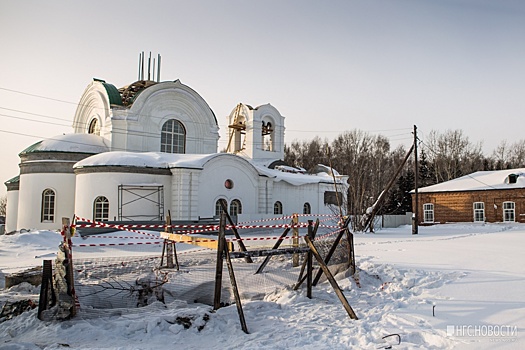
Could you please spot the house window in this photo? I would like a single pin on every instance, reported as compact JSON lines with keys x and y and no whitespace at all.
{"x":428,"y":212}
{"x":173,"y":137}
{"x":235,"y":207}
{"x":508,"y":212}
{"x":307,"y":209}
{"x":101,"y":209}
{"x":278,"y":208}
{"x":479,"y":212}
{"x":218,"y":207}
{"x":48,"y":206}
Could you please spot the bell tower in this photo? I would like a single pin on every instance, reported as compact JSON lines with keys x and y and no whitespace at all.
{"x":256,"y":133}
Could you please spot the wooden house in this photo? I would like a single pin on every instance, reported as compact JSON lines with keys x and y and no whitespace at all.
{"x":483,"y":196}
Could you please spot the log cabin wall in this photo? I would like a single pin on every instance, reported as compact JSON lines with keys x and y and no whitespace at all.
{"x":459,"y":206}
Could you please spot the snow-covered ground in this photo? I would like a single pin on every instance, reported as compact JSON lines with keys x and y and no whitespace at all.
{"x":452,"y":286}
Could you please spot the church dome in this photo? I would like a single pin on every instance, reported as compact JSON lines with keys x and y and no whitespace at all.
{"x":69,"y":143}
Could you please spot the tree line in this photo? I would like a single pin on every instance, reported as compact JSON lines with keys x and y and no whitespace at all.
{"x":370,"y":162}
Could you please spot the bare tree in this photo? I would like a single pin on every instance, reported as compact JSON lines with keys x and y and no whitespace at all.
{"x":3,"y":205}
{"x":453,"y":155}
{"x":369,"y":163}
{"x":306,"y":154}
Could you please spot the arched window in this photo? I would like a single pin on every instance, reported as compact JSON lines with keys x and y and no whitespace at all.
{"x":307,"y":209}
{"x":101,"y":209}
{"x":173,"y":137}
{"x":278,"y":208}
{"x":268,"y":136}
{"x":218,"y":207}
{"x":48,"y":206}
{"x":235,"y":207}
{"x":94,"y":127}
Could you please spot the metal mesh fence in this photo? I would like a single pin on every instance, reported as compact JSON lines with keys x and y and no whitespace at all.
{"x":129,"y":282}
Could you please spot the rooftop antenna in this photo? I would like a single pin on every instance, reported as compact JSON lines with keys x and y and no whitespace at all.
{"x":149,"y":66}
{"x":158,"y":68}
{"x":142,"y":70}
{"x":140,"y":59}
{"x":153,"y":72}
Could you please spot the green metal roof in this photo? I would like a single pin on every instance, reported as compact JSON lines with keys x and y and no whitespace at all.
{"x":31,"y":148}
{"x":113,"y":94}
{"x":13,"y":180}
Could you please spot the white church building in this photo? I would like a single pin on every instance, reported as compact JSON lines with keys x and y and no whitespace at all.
{"x":151,"y":147}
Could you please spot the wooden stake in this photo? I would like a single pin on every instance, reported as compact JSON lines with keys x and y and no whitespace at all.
{"x":309,"y":263}
{"x":239,"y":239}
{"x":302,"y":277}
{"x":218,"y":270}
{"x":295,"y":240}
{"x":47,"y":292}
{"x":70,"y":278}
{"x":331,"y":279}
{"x":234,"y":287}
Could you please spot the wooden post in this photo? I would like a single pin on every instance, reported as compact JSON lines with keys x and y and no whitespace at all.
{"x":415,"y":219}
{"x":171,"y":250}
{"x":239,"y":239}
{"x":218,"y":270}
{"x":302,"y":277}
{"x":47,"y":292}
{"x":275,"y":246}
{"x":309,"y":263}
{"x":331,"y":279}
{"x":70,"y":279}
{"x":234,"y":286}
{"x":295,"y":240}
{"x":351,"y":244}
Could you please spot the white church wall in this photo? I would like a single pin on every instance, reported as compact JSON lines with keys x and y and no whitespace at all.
{"x":30,"y":199}
{"x":173,"y":100}
{"x":89,"y":186}
{"x":293,"y":197}
{"x":213,"y":179}
{"x":94,"y":103}
{"x":11,"y":216}
{"x":185,"y":194}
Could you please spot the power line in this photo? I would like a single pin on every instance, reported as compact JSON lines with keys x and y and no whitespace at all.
{"x":155,"y":117}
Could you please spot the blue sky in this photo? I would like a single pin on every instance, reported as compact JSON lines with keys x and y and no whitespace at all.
{"x":327,"y":66}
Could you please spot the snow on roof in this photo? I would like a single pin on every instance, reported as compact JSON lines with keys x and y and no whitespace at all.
{"x":146,"y":160}
{"x":296,"y":179}
{"x":75,"y":143}
{"x":194,"y":161}
{"x":481,"y":181}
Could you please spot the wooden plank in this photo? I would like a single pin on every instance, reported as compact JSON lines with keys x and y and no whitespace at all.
{"x":204,"y":242}
{"x":331,"y":279}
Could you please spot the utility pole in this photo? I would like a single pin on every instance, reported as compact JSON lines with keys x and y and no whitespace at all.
{"x":415,"y":218}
